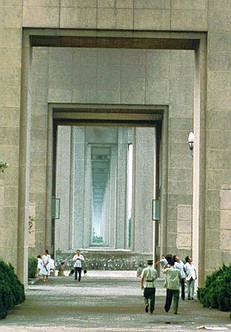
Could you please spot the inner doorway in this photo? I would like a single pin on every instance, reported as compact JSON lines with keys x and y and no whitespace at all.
{"x":107,"y":175}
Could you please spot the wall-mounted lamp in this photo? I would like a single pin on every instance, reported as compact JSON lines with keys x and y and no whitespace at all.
{"x":191,"y":140}
{"x":3,"y":166}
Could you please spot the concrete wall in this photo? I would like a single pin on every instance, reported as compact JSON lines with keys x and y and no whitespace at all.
{"x":39,"y":145}
{"x":177,"y":15}
{"x":218,"y":143}
{"x":10,"y":80}
{"x":211,"y":16}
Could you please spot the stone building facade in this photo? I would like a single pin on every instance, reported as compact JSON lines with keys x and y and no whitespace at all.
{"x":159,"y":63}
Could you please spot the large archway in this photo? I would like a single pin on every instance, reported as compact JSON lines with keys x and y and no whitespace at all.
{"x":148,"y":40}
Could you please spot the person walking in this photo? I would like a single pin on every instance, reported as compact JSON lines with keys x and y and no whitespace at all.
{"x":180,"y":266}
{"x":173,"y":278}
{"x":139,"y":270}
{"x":46,"y":265}
{"x":52,"y":267}
{"x":148,"y":277}
{"x":39,"y":266}
{"x":78,"y":259}
{"x":191,"y":276}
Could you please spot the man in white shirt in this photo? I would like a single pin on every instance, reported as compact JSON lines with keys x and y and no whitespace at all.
{"x":162,"y":262}
{"x":180,"y":266}
{"x":191,"y":276}
{"x":78,"y":259}
{"x":148,"y":277}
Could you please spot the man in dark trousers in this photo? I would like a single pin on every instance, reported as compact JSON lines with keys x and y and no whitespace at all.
{"x":173,"y":279}
{"x":78,"y":259}
{"x":148,"y":277}
{"x":180,"y":266}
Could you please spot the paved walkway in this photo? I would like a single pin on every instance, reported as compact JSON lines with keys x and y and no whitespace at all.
{"x":104,"y":302}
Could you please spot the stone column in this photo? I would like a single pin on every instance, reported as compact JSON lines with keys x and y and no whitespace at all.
{"x":121,"y":188}
{"x":199,"y":160}
{"x":217,"y":152}
{"x":39,"y":157}
{"x":112,"y":224}
{"x":24,"y":165}
{"x":164,"y":184}
{"x":144,"y":189}
{"x":11,"y":219}
{"x":180,"y":123}
{"x":63,"y":188}
{"x":87,"y":196}
{"x":105,"y":215}
{"x":78,"y":174}
{"x":130,"y":213}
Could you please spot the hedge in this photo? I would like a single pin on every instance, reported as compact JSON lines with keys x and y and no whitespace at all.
{"x":32,"y":267}
{"x":217,"y":290}
{"x":11,"y":289}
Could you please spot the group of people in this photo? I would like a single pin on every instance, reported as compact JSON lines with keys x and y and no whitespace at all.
{"x":78,"y":265}
{"x":45,"y":265}
{"x":176,"y":274}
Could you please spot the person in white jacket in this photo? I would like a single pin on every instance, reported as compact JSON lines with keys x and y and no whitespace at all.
{"x":191,"y":276}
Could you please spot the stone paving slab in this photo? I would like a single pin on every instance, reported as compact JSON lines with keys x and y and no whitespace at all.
{"x":104,"y":303}
{"x":164,"y":327}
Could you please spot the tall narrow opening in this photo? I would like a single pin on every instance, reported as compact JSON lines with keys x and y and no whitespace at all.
{"x":129,"y":194}
{"x":100,"y":198}
{"x":104,"y":180}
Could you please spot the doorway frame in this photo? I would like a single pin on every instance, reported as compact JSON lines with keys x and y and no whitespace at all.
{"x":196,"y":41}
{"x":154,"y":116}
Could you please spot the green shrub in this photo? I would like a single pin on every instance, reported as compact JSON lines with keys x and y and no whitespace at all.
{"x":11,"y":289}
{"x":32,"y":267}
{"x":217,"y":290}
